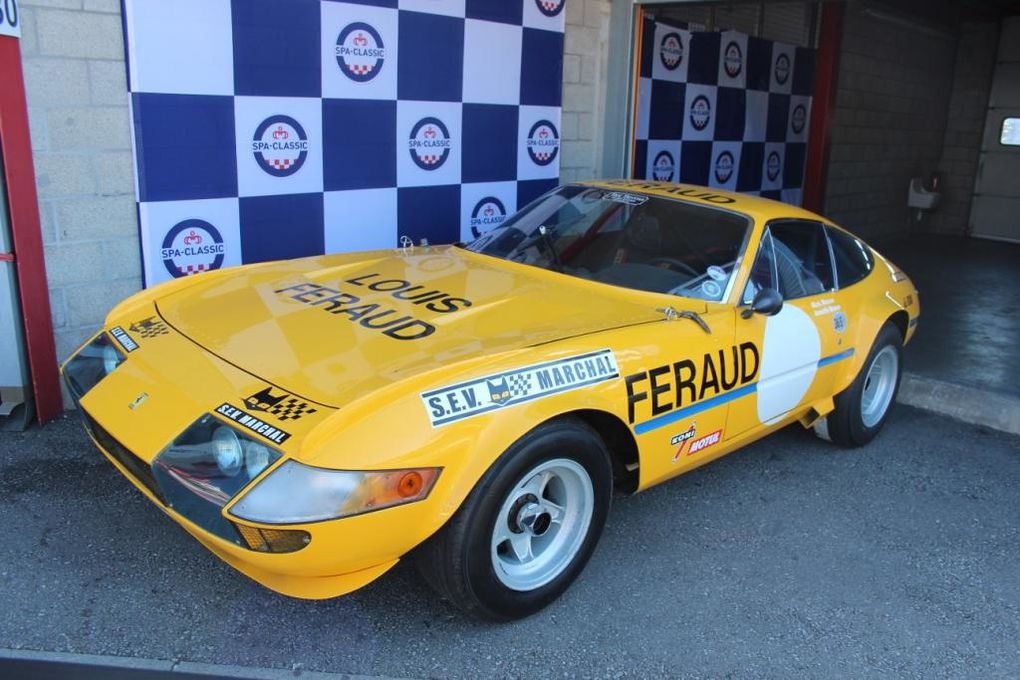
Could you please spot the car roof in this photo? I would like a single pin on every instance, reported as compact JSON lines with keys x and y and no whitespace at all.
{"x":761,"y":209}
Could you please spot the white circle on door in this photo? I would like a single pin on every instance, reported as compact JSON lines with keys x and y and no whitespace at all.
{"x":789,"y":362}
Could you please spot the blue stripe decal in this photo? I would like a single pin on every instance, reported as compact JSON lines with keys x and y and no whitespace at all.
{"x":663,"y":420}
{"x":719,"y":400}
{"x":825,"y":361}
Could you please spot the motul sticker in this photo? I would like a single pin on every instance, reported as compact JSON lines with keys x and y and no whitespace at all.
{"x":704,"y":442}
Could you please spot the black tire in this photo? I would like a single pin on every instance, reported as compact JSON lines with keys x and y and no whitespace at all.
{"x":457,"y":561}
{"x":846,"y":425}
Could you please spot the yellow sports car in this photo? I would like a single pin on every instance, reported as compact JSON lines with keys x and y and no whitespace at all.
{"x":313,"y":421}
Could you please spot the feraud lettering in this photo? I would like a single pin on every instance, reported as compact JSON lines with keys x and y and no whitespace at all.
{"x":666,"y":388}
{"x":680,"y":190}
{"x":377,"y":315}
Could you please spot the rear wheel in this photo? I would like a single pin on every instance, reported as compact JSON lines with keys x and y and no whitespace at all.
{"x":862,"y":408}
{"x":529,"y":526}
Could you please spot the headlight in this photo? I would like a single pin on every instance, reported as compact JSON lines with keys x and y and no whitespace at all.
{"x":295,"y":493}
{"x":205,"y":467}
{"x":91,"y":364}
{"x":229,"y":451}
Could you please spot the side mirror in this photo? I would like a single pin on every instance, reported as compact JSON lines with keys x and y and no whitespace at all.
{"x":768,"y":301}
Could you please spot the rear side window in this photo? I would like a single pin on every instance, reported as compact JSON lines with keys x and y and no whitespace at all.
{"x":853,"y":260}
{"x":802,"y":259}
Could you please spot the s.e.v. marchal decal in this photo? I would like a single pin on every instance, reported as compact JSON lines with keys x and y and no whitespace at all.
{"x":123,"y":339}
{"x":488,"y":393}
{"x":253,"y":424}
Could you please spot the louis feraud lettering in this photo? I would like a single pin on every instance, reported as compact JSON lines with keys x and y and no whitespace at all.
{"x":377,"y":315}
{"x":664,"y":394}
{"x":487,"y":393}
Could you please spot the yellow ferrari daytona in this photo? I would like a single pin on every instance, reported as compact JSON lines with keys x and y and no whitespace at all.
{"x":474,"y":406}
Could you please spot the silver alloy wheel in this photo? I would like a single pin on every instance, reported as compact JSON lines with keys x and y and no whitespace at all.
{"x":542,"y":524}
{"x":879,"y":386}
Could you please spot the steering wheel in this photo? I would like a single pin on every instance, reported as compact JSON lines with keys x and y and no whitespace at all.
{"x":674,"y":263}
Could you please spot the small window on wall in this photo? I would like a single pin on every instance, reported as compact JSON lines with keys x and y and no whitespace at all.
{"x":1010,"y":134}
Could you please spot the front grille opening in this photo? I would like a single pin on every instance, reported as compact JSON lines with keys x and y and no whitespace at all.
{"x":137,"y":467}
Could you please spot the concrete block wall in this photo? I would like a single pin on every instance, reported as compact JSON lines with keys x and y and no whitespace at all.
{"x":75,"y":79}
{"x":585,"y":60}
{"x":968,"y":106}
{"x":889,"y":122}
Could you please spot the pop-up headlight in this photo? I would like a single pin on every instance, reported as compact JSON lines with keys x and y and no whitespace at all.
{"x":91,"y":364}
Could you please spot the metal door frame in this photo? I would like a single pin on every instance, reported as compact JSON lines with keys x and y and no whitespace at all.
{"x":26,"y":234}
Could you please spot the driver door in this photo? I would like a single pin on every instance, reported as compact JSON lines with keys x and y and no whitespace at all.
{"x":796,"y":344}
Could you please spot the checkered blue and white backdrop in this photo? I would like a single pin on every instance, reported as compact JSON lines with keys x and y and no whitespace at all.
{"x":723,"y":109}
{"x":267,"y":130}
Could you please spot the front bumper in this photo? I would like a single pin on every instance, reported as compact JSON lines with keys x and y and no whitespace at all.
{"x":340,"y":556}
{"x":337,"y":560}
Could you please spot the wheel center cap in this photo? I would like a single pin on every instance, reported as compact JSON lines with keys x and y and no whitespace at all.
{"x":533,"y":519}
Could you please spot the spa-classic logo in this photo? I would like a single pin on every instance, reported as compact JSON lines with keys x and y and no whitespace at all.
{"x":429,"y":143}
{"x":701,"y":112}
{"x":360,"y":52}
{"x":550,"y":8}
{"x":488,"y":214}
{"x":671,"y":51}
{"x":191,"y":247}
{"x":280,"y":146}
{"x":543,"y":142}
{"x":664,"y":167}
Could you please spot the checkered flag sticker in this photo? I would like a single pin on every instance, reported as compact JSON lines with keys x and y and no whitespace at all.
{"x":283,"y":407}
{"x":519,"y":384}
{"x":291,"y":409}
{"x":150,"y":327}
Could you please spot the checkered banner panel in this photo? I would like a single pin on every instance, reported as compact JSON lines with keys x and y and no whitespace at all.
{"x":266,"y":130}
{"x":723,"y":109}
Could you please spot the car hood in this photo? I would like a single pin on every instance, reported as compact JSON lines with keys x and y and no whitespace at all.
{"x":333,"y":328}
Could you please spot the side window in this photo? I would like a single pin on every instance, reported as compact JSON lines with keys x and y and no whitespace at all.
{"x":803,"y":262}
{"x":853,"y":260}
{"x":763,"y":271}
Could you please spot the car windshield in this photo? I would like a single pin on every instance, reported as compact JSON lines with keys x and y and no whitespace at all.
{"x":624,"y":239}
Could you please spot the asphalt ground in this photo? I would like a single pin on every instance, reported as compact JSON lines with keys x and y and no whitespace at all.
{"x":790,"y":558}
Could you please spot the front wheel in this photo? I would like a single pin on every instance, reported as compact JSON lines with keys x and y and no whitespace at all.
{"x":529,"y":526}
{"x":862,"y":408}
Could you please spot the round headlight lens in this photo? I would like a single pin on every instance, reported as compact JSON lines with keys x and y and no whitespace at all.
{"x":228,"y":451}
{"x":111,"y":358}
{"x":256,"y":458}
